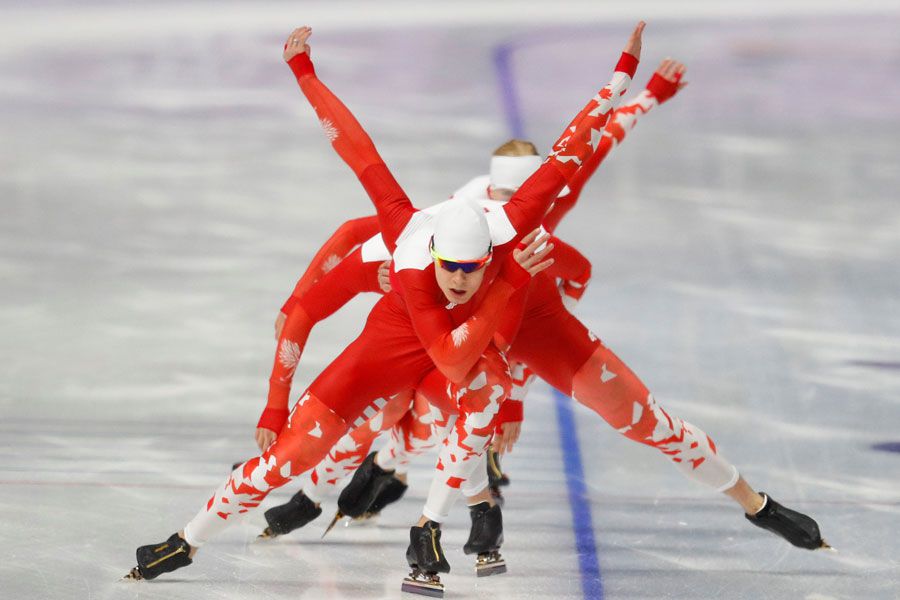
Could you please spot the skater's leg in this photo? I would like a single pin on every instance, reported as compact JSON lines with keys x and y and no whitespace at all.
{"x":311,"y":430}
{"x":476,"y":488}
{"x":479,"y":401}
{"x":377,"y":365}
{"x":562,"y":351}
{"x":608,"y":387}
{"x":352,"y":449}
{"x":421,"y":429}
{"x":343,"y":459}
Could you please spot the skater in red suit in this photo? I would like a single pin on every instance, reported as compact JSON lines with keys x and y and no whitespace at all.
{"x":453,"y":276}
{"x":576,"y":362}
{"x":336,"y":281}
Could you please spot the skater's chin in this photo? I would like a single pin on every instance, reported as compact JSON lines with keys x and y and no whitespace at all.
{"x":458,"y":296}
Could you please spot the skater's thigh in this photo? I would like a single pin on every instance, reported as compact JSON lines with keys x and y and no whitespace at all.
{"x":555,"y":345}
{"x":375,"y":365}
{"x":607,"y":386}
{"x":434,"y":390}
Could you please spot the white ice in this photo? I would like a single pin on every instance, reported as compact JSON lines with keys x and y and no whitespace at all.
{"x":163,"y":184}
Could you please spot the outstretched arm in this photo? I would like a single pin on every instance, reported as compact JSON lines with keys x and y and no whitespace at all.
{"x":664,"y":84}
{"x":350,"y":141}
{"x":344,"y":240}
{"x":529,"y":204}
{"x":350,"y":277}
{"x":573,"y":269}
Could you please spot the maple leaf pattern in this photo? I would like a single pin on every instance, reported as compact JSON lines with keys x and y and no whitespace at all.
{"x":289,"y":354}
{"x":331,"y":262}
{"x":460,"y":334}
{"x":330,"y":130}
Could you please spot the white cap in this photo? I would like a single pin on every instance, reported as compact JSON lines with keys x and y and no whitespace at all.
{"x":510,"y":172}
{"x":461,"y":231}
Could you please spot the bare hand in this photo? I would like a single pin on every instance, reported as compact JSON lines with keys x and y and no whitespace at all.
{"x":507,"y":436}
{"x":633,"y":46}
{"x":529,"y":258}
{"x":264,"y":438}
{"x":384,"y":276}
{"x":279,"y":324}
{"x":672,"y":70}
{"x":296,"y":43}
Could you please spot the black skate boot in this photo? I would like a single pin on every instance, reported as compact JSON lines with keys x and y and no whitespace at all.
{"x":294,"y":514}
{"x":164,"y":557}
{"x":367,"y":483}
{"x":485,"y":539}
{"x":391,"y":492}
{"x":797,"y":528}
{"x":427,"y":559}
{"x":496,"y":477}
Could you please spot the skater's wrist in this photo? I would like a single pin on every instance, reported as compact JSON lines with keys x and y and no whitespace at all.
{"x":514,"y":274}
{"x":511,"y":411}
{"x":302,"y":66}
{"x":661,"y":88}
{"x":273,"y":418}
{"x":627,"y":64}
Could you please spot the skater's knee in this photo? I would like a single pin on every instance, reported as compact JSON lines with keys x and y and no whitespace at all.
{"x":490,"y":370}
{"x":650,"y":424}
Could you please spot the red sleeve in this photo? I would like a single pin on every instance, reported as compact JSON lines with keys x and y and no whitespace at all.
{"x":356,"y":149}
{"x":572,"y":267}
{"x":347,"y":237}
{"x":623,"y":119}
{"x":512,"y":319}
{"x":350,"y":277}
{"x":511,"y":411}
{"x":561,"y":207}
{"x":455,"y":350}
{"x":569,"y":263}
{"x":528,"y":205}
{"x":341,"y":284}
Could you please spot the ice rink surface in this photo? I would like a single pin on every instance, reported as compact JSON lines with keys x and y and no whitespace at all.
{"x":163,"y":183}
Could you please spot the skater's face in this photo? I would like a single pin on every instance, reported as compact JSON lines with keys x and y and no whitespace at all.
{"x":459,"y":280}
{"x":458,"y":286}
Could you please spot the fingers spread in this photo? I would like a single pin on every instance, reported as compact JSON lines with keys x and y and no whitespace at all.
{"x":528,"y":239}
{"x":540,"y":267}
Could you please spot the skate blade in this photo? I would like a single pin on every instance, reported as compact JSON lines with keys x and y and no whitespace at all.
{"x":267,"y":534}
{"x":423,"y":587}
{"x":828,"y":547}
{"x":133,"y":575}
{"x":490,"y":564}
{"x":337,"y":517}
{"x":367,"y":520}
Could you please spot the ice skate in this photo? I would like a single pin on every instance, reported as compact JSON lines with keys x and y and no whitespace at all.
{"x":496,"y":477}
{"x":427,"y":559}
{"x":798,"y":529}
{"x":294,"y":514}
{"x":357,"y":498}
{"x":391,"y":492}
{"x":485,"y":539}
{"x":164,"y":557}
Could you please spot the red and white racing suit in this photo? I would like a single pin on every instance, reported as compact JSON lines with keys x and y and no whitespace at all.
{"x":412,"y":330}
